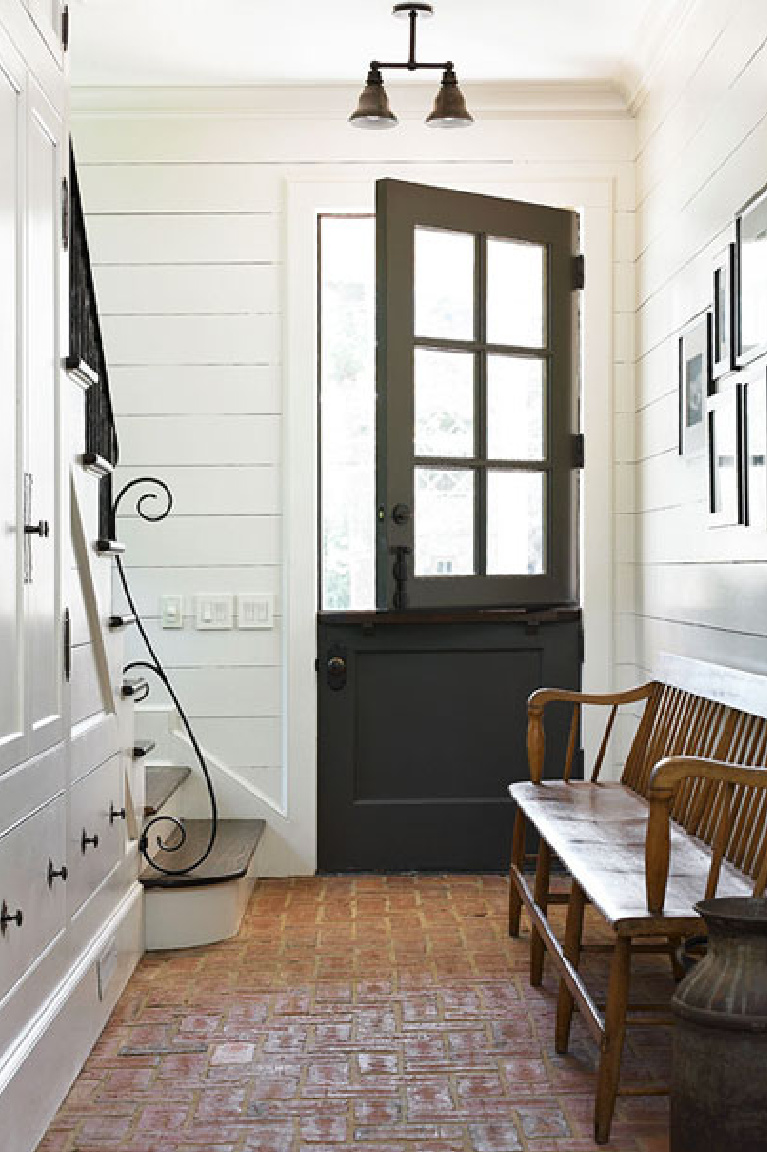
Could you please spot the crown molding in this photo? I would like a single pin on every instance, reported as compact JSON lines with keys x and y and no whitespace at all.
{"x":661,"y":27}
{"x":567,"y":99}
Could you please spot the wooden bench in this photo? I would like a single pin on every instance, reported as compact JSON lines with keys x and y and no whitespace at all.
{"x":686,"y":820}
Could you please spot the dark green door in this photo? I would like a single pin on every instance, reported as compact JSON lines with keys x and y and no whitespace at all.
{"x":422,"y":700}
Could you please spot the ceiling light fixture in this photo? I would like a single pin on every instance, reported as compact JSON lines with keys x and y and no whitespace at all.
{"x":373,"y":109}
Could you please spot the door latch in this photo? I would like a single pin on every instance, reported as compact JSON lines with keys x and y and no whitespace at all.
{"x":336,"y":669}
{"x":399,"y":572}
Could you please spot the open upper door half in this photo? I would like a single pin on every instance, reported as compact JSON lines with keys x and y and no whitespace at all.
{"x":477,"y":401}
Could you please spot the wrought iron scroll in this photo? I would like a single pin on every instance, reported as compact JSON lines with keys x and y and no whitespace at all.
{"x":163,"y":493}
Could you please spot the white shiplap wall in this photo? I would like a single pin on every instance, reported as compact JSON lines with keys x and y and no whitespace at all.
{"x":702,"y":152}
{"x":186,"y":220}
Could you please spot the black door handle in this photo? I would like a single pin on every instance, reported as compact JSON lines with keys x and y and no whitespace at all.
{"x":86,"y":840}
{"x":7,"y":918}
{"x":41,"y":528}
{"x":336,"y":669}
{"x":53,"y":873}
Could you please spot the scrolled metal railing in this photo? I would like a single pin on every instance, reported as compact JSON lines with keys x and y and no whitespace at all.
{"x":154,"y":665}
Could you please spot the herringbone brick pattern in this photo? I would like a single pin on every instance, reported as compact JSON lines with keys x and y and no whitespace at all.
{"x":367,"y":1014}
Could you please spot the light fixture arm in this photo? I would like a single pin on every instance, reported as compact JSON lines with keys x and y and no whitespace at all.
{"x":411,"y":64}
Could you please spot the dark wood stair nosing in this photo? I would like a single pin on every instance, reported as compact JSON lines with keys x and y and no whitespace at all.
{"x":109,"y":547}
{"x":131,"y":685}
{"x":142,"y":748}
{"x":115,"y":622}
{"x":230,"y":859}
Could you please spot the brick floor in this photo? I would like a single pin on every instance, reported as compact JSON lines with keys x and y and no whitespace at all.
{"x":380,"y":1014}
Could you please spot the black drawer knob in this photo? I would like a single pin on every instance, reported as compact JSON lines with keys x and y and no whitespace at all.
{"x":41,"y":528}
{"x":7,"y":918}
{"x":116,"y":813}
{"x":57,"y":873}
{"x":86,"y":840}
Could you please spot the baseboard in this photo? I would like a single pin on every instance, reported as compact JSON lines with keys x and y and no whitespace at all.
{"x":38,"y":1070}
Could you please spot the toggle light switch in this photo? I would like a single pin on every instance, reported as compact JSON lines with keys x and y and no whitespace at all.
{"x":172,"y":611}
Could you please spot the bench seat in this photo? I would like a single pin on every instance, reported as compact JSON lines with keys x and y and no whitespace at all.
{"x":687,"y":821}
{"x":599,"y":832}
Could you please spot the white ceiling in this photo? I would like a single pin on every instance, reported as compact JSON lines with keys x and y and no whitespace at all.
{"x":248,"y":42}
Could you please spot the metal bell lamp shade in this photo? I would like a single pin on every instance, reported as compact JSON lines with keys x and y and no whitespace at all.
{"x":449,"y":109}
{"x":373,"y":109}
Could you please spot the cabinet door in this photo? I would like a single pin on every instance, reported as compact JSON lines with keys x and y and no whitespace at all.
{"x":43,"y":632}
{"x":12,"y":133}
{"x":47,"y":15}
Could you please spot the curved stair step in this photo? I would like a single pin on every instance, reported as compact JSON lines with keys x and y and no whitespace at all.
{"x":233,"y":851}
{"x":162,"y":780}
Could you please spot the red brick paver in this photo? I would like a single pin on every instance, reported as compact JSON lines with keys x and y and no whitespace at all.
{"x":369,"y":1013}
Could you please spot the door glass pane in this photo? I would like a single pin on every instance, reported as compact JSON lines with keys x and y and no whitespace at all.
{"x":516,"y":286}
{"x":515,"y":407}
{"x":444,"y":284}
{"x":347,"y":412}
{"x":444,"y":403}
{"x":515,"y":519}
{"x":444,"y":522}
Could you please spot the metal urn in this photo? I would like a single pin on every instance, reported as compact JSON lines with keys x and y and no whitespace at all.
{"x":719,"y":1085}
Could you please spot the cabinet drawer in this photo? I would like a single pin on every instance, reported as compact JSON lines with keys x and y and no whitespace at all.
{"x":25,"y":854}
{"x":96,"y":841}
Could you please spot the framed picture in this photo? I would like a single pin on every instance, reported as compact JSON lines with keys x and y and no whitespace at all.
{"x":755,"y":447}
{"x":751,"y":280}
{"x":723,"y":319}
{"x":725,"y":501}
{"x":694,"y":384}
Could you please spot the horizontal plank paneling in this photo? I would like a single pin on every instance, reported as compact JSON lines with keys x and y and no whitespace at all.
{"x":236,"y":490}
{"x":181,"y":188}
{"x":193,"y":540}
{"x":199,"y":440}
{"x":212,"y":289}
{"x":192,"y":339}
{"x":190,"y":389}
{"x":189,"y":648}
{"x":245,"y":691}
{"x":702,"y":133}
{"x":184,"y":239}
{"x":149,"y":584}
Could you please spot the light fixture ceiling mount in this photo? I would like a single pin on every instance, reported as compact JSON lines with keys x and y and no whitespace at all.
{"x":373,"y":109}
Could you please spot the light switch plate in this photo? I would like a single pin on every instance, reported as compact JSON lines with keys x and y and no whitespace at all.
{"x":255,"y":610}
{"x":214,"y":612}
{"x":172,"y":611}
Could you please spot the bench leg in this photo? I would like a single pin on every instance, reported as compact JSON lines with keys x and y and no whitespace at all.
{"x":572,"y":950}
{"x":537,"y":947}
{"x":518,"y":860}
{"x":612,"y":1041}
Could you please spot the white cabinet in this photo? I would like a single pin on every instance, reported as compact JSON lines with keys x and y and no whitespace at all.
{"x":31,"y":668}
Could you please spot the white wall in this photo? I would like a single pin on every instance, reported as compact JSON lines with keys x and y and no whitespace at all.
{"x":187,"y":219}
{"x":702,"y":152}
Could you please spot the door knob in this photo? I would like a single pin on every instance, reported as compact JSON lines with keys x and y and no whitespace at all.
{"x":41,"y":528}
{"x":400,"y":514}
{"x":336,"y":669}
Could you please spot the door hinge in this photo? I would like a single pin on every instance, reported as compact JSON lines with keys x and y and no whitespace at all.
{"x":27,"y":538}
{"x":65,"y":213}
{"x":65,"y":27}
{"x":581,"y":644}
{"x":579,"y":273}
{"x":67,"y":645}
{"x":579,"y":450}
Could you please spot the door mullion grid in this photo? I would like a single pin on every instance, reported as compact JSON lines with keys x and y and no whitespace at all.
{"x":480,"y":404}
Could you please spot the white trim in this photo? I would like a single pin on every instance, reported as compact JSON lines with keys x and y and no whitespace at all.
{"x":658,"y":32}
{"x":559,"y":99}
{"x":337,"y":193}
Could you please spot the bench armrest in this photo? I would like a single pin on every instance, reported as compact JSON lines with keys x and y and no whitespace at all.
{"x":664,"y":780}
{"x":536,"y":739}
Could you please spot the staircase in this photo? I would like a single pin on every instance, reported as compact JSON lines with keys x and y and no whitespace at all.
{"x":207,"y":904}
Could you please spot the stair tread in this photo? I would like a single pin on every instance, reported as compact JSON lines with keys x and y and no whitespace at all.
{"x":230,"y":859}
{"x":162,"y":780}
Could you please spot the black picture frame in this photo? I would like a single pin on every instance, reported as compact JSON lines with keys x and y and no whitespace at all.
{"x":755,"y":449}
{"x":723,"y":314}
{"x":725,"y":457}
{"x":751,"y":280}
{"x":694,"y":384}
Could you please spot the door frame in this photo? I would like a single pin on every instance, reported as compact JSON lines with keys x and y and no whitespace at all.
{"x":336,"y":191}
